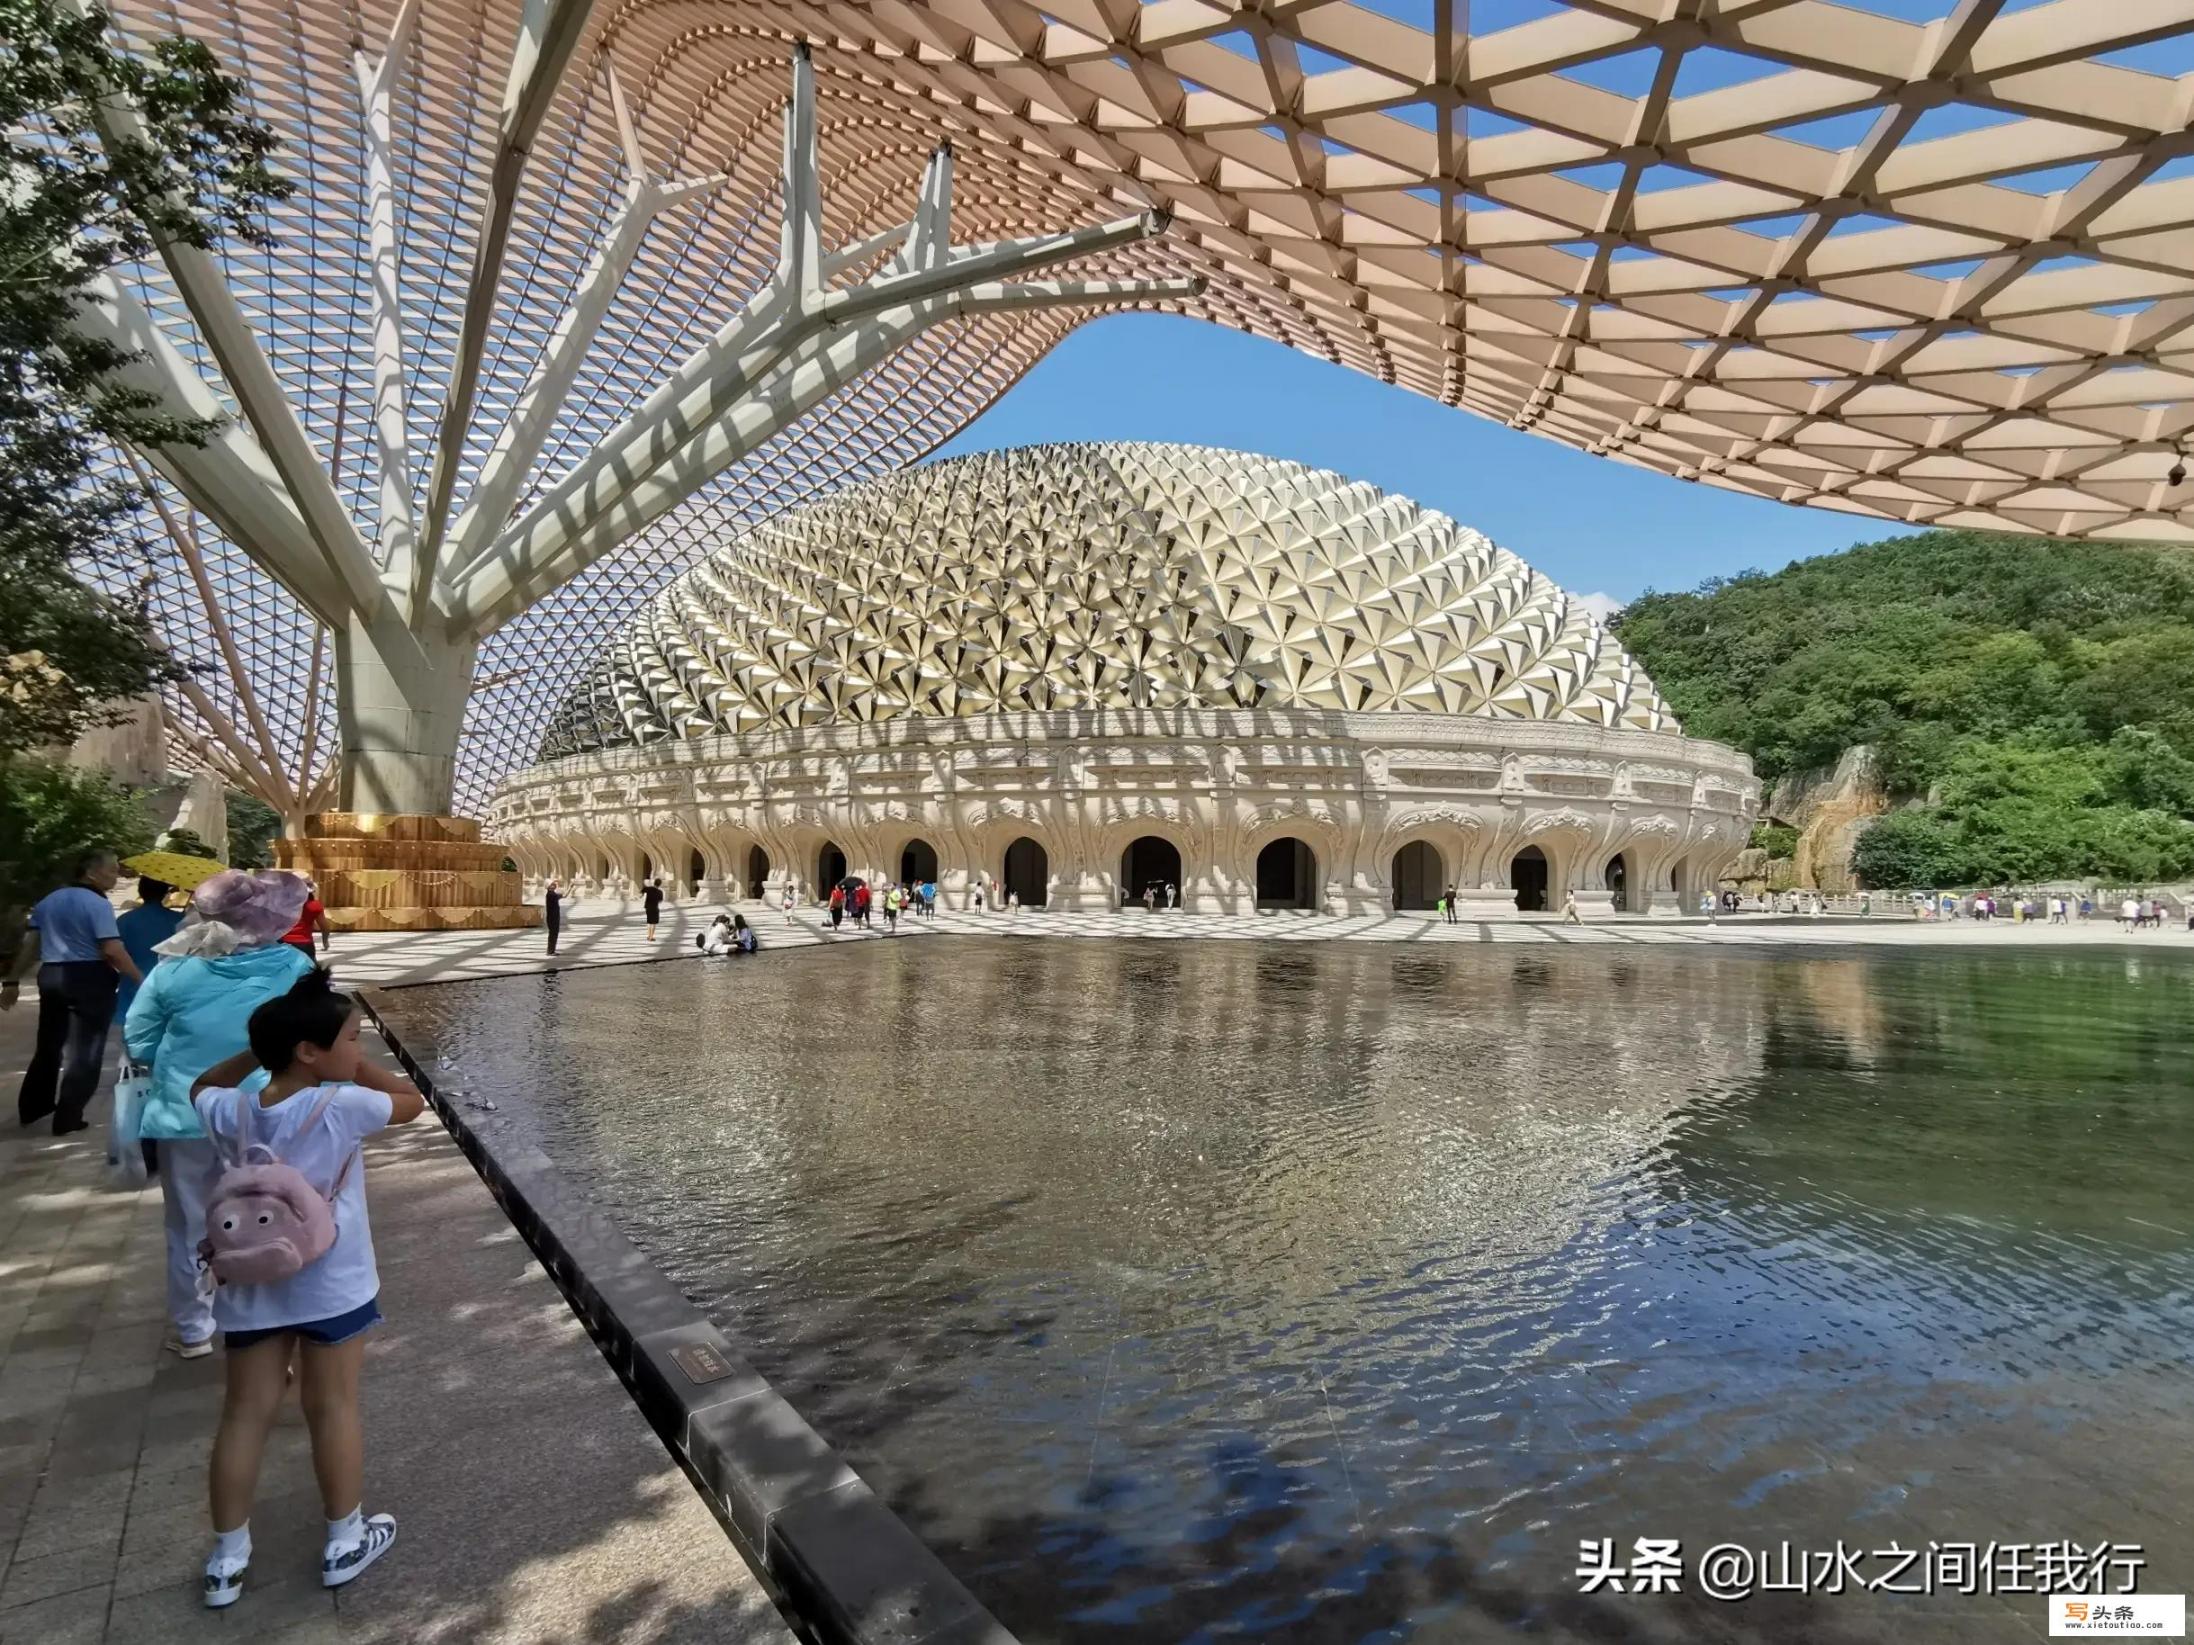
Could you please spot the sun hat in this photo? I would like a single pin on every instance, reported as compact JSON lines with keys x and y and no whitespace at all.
{"x":236,"y":909}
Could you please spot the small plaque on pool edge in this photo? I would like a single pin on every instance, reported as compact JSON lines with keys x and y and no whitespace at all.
{"x":701,"y":1363}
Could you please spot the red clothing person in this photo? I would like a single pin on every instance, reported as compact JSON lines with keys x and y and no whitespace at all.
{"x":312,"y":918}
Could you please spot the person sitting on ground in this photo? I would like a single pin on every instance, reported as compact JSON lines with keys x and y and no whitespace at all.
{"x":743,"y":939}
{"x":224,"y":962}
{"x":718,"y":940}
{"x":321,"y":1101}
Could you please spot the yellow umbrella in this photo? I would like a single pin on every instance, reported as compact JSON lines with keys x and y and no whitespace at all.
{"x":185,"y":873}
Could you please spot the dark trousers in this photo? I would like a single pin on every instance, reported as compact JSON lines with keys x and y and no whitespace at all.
{"x":75,"y":1009}
{"x":554,"y":926}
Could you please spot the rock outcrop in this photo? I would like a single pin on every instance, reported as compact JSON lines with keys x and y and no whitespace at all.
{"x":1830,"y":807}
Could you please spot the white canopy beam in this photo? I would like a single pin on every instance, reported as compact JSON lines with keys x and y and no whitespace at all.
{"x":229,"y":479}
{"x":818,"y":367}
{"x":710,"y":382}
{"x":405,"y":568}
{"x":250,"y":376}
{"x":800,"y":240}
{"x":548,"y":33}
{"x":504,"y":473}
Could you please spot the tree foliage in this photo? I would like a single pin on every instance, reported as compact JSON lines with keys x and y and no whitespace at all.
{"x":48,"y":813}
{"x":2035,"y":697}
{"x":253,"y":825}
{"x":75,"y":204}
{"x":1776,"y":839}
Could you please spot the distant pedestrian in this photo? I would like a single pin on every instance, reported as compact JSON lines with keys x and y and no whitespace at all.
{"x":1454,"y":913}
{"x":313,"y":922}
{"x":1013,"y":901}
{"x":2087,"y":909}
{"x":861,"y":900}
{"x":552,"y":910}
{"x":151,"y":922}
{"x":651,"y":904}
{"x":1570,"y":916}
{"x":1150,"y":899}
{"x":2129,"y":913}
{"x":891,"y":912}
{"x":837,"y":905}
{"x":77,"y":950}
{"x":786,"y":901}
{"x":1173,"y":895}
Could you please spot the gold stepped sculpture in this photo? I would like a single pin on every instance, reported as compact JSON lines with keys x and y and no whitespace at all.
{"x":406,"y":873}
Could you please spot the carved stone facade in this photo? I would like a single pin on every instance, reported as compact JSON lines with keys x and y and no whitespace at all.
{"x":737,"y":816}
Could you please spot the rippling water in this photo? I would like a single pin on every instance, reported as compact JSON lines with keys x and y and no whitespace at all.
{"x":1325,"y":1292}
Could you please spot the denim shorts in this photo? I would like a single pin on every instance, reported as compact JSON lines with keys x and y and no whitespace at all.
{"x":326,"y":1332}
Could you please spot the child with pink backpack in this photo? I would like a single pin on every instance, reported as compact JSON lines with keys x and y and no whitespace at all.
{"x":290,"y":1256}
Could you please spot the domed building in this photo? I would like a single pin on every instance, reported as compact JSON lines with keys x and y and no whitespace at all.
{"x":1076,"y":672}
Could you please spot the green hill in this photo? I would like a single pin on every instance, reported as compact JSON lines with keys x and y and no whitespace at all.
{"x":2036,"y":697}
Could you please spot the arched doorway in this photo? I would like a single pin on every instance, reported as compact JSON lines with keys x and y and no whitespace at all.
{"x":757,"y":872}
{"x":1027,"y":874}
{"x":1527,"y":873}
{"x":1418,"y":877}
{"x":1617,"y":879}
{"x":1287,"y":875}
{"x":830,"y":867}
{"x":696,"y":872}
{"x":918,"y":863}
{"x":1152,"y":864}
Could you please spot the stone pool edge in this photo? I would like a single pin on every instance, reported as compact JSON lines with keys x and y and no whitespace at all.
{"x":841,"y":1565}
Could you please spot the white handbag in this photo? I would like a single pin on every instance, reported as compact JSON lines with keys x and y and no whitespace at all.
{"x":125,"y":1151}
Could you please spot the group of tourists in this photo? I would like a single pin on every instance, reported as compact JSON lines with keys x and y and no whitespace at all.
{"x":2133,"y":913}
{"x":855,"y":900}
{"x":246,"y":1092}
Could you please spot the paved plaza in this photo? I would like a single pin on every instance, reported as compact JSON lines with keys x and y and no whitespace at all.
{"x":534,"y":1503}
{"x":612,"y":934}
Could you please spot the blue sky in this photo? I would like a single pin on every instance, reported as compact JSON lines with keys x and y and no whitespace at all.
{"x":1591,"y":525}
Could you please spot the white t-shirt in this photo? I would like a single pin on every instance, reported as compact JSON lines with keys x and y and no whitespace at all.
{"x":345,"y":1278}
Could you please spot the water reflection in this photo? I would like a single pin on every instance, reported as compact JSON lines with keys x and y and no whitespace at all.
{"x":1329,"y":1292}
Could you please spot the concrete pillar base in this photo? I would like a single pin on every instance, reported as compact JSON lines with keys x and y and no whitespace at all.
{"x":1488,"y":902}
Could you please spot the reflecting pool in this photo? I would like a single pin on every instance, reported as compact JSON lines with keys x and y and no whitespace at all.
{"x":1330,"y":1292}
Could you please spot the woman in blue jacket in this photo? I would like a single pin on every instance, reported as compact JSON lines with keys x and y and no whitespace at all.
{"x":226,"y":961}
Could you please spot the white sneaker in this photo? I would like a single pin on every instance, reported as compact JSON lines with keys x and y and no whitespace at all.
{"x":343,"y":1561}
{"x":182,"y":1349}
{"x":225,"y":1581}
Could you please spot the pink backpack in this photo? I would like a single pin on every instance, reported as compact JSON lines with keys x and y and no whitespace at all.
{"x":265,"y":1222}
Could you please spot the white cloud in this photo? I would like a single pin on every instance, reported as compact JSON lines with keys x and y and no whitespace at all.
{"x":1602,"y":606}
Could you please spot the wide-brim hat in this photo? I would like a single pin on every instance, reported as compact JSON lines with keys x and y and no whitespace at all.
{"x":259,"y":907}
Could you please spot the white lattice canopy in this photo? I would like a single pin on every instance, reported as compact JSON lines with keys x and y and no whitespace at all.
{"x":1932,"y":267}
